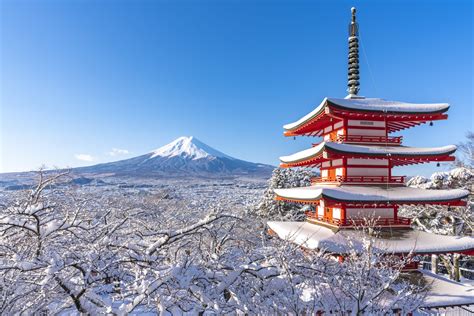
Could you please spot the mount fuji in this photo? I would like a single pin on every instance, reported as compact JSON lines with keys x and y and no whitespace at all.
{"x":185,"y":156}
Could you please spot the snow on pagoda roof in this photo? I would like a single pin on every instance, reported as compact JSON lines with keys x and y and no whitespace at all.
{"x":371,"y":105}
{"x":369,"y":194}
{"x":367,"y":150}
{"x":313,"y":236}
{"x":443,"y":292}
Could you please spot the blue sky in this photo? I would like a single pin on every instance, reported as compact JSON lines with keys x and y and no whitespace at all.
{"x":82,"y":78}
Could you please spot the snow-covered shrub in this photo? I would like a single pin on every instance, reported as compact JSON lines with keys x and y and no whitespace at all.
{"x":269,"y":208}
{"x":443,"y":219}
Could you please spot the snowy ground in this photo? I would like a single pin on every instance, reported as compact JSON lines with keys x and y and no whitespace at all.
{"x":195,"y":196}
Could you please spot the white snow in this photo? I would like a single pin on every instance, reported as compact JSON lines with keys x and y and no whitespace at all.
{"x":443,"y":179}
{"x":368,"y":150}
{"x":444,"y":292}
{"x":189,"y":147}
{"x":372,"y":104}
{"x":380,"y":105}
{"x":307,"y":117}
{"x":312,"y":236}
{"x":304,"y":154}
{"x":353,"y":193}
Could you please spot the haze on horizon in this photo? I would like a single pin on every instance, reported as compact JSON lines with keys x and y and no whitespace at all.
{"x":86,"y":82}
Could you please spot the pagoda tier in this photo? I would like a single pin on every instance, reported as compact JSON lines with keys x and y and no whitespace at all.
{"x":312,"y":236}
{"x":393,"y":155}
{"x":347,"y":206}
{"x":369,"y":195}
{"x":358,"y":116}
{"x":363,"y":164}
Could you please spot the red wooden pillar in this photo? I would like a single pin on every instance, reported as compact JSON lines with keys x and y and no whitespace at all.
{"x":343,"y":214}
{"x":389,"y":168}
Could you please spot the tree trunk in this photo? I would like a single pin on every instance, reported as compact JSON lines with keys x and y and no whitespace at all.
{"x":456,"y":271}
{"x":434,"y":263}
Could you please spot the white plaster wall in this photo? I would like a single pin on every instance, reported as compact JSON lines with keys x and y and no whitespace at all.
{"x":367,"y":162}
{"x":365,"y":132}
{"x":328,"y":129}
{"x":369,"y":212}
{"x":326,"y":164}
{"x":366,"y":123}
{"x":324,"y":173}
{"x":320,"y":210}
{"x":339,"y":172}
{"x":351,"y":171}
{"x":336,"y":162}
{"x":336,"y":213}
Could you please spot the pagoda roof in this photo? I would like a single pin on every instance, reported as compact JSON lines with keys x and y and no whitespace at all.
{"x":354,"y":194}
{"x":446,"y":293}
{"x":313,"y":236}
{"x":363,"y":108}
{"x":406,"y":155}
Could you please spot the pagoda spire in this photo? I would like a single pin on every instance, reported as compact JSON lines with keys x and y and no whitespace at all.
{"x":353,"y":64}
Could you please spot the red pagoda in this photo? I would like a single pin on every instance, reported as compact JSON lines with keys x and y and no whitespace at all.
{"x":357,"y":185}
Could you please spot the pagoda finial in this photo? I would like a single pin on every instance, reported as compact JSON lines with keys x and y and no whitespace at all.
{"x":353,"y":70}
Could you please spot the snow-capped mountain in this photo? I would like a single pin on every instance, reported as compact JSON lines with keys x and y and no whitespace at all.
{"x":185,"y":156}
{"x":189,"y":147}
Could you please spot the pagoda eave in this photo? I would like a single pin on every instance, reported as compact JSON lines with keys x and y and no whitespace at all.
{"x":399,"y":242}
{"x":395,"y":161}
{"x":397,"y":155}
{"x":328,"y":112}
{"x":372,"y":195}
{"x":330,"y":201}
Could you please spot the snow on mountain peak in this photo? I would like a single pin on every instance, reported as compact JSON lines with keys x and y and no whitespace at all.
{"x":188,"y":147}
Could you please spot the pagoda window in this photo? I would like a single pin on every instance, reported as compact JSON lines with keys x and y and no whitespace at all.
{"x":326,"y":164}
{"x":324,"y":173}
{"x":366,"y":124}
{"x":366,"y":128}
{"x":340,"y":172}
{"x":364,"y":171}
{"x":356,"y":213}
{"x":337,"y":213}
{"x":365,"y":162}
{"x":320,"y":211}
{"x":366,"y":132}
{"x":337,"y":162}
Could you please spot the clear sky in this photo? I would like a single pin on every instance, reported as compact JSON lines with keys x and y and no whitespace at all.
{"x":84,"y":82}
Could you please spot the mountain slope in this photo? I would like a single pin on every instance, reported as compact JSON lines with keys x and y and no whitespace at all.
{"x":185,"y":156}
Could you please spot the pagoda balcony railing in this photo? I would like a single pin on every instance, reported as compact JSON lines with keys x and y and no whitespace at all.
{"x":352,"y":222}
{"x":385,"y":140}
{"x":360,"y":179}
{"x":391,"y":140}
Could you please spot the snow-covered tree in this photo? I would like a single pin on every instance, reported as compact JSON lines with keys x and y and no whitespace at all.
{"x":442,"y":219}
{"x":466,"y":151}
{"x":64,"y":252}
{"x":269,"y":208}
